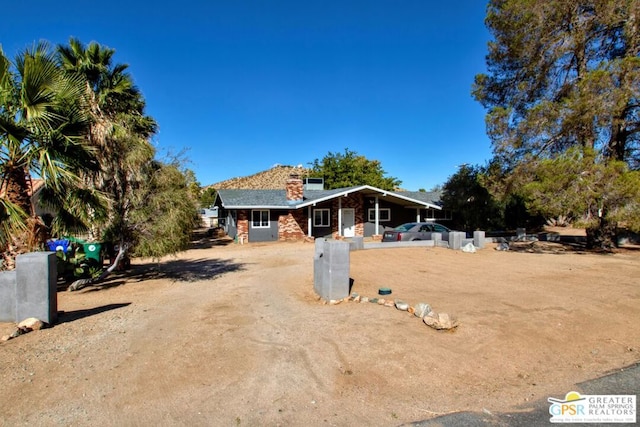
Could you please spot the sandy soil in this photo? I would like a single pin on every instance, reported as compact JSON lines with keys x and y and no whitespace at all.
{"x":234,"y":336}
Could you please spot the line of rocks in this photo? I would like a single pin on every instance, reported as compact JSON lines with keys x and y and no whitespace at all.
{"x":24,"y":327}
{"x":439,"y":321}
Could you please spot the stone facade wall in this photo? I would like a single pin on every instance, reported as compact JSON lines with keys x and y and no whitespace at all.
{"x":292,"y":226}
{"x":295,"y":188}
{"x":243,"y":225}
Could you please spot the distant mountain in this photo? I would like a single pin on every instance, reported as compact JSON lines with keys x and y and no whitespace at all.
{"x":271,"y":179}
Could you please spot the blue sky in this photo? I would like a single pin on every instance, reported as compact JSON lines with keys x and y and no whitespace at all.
{"x":247,"y":84}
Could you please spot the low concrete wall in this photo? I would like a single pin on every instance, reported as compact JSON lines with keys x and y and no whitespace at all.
{"x":30,"y":290}
{"x":479,"y":241}
{"x":415,"y":243}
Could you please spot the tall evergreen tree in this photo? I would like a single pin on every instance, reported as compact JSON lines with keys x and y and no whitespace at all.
{"x":565,"y":74}
{"x":138,"y":218}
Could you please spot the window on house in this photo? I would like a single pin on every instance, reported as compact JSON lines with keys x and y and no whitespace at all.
{"x":437,"y":215}
{"x":321,"y":217}
{"x":260,"y":219}
{"x":385,"y":215}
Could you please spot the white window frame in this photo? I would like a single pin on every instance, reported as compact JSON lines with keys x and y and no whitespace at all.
{"x":438,"y":215}
{"x":328,"y":224}
{"x":381,"y":217}
{"x":262,"y":224}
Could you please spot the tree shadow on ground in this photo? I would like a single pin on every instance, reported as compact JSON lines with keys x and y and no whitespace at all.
{"x":111,"y":282}
{"x":70,"y":316}
{"x":180,"y":270}
{"x":541,"y":247}
{"x":205,"y":238}
{"x":564,"y":247}
{"x":209,"y":242}
{"x":177,"y":270}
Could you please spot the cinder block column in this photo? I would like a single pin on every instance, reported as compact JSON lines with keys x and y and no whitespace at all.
{"x":36,"y":277}
{"x":334,"y":280}
{"x":318,"y":263}
{"x":455,"y":239}
{"x":8,"y":296}
{"x":357,"y":243}
{"x":478,"y":239}
{"x":436,"y":237}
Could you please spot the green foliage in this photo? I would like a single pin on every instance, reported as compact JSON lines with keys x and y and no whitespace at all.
{"x":562,"y":74}
{"x":563,"y":116}
{"x":12,"y":221}
{"x":151,"y":206}
{"x":582,"y":186}
{"x":75,"y":265}
{"x":164,"y":216}
{"x":43,"y":124}
{"x":349,"y":169}
{"x":195,"y":190}
{"x":75,"y":118}
{"x":208,"y":197}
{"x":474,"y":207}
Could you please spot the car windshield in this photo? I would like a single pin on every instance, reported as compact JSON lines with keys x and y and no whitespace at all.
{"x":405,"y":227}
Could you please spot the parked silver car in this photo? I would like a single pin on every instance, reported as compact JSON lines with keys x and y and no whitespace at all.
{"x":415,"y":231}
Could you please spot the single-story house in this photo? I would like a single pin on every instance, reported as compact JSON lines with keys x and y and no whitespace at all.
{"x":209,"y":217}
{"x":305,"y":210}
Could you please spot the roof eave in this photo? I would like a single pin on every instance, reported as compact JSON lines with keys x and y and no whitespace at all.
{"x":258,"y":207}
{"x":384,"y":193}
{"x":298,"y":204}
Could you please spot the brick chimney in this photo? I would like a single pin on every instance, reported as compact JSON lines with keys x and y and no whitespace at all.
{"x":295,"y":189}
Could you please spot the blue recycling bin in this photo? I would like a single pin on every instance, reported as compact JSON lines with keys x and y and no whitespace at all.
{"x":59,"y":245}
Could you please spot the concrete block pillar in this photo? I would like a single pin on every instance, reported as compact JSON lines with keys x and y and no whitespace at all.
{"x":436,"y":237}
{"x":455,"y":239}
{"x":8,"y":296}
{"x":318,"y":262}
{"x":36,"y":293}
{"x":478,"y":239}
{"x":332,"y":282}
{"x":357,"y":243}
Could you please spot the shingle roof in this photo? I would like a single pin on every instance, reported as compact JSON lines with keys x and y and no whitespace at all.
{"x":235,"y":199}
{"x":434,"y":197}
{"x":276,"y":199}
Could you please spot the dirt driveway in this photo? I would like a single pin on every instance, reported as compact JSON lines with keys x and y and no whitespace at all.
{"x":234,"y":335}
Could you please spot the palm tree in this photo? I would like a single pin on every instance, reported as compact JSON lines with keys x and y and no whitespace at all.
{"x":43,"y":127}
{"x":119,"y":131}
{"x":149,"y":212}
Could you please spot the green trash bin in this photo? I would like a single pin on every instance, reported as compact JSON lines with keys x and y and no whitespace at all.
{"x":93,"y":251}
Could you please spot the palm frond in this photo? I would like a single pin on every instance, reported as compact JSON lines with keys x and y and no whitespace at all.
{"x":12,"y":221}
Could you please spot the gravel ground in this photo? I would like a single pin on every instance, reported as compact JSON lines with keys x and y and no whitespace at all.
{"x":234,"y":335}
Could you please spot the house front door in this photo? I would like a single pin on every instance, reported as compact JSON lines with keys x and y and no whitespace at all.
{"x":348,"y":222}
